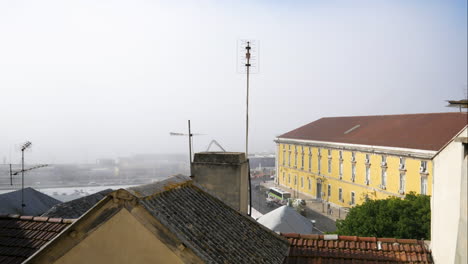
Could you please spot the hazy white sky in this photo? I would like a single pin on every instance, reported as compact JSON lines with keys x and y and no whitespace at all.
{"x":91,"y":79}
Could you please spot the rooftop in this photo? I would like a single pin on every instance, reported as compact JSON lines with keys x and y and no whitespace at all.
{"x":36,"y":202}
{"x":353,"y":249}
{"x":414,"y":131}
{"x":77,"y":207}
{"x":22,"y":236}
{"x":213,"y":230}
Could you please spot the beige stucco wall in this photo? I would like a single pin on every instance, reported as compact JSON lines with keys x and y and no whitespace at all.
{"x":122,"y":239}
{"x":446,"y":201}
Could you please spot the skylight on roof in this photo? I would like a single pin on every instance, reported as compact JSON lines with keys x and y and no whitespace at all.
{"x":351,"y":129}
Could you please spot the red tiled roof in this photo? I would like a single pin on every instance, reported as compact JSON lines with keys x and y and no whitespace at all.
{"x":415,"y":131}
{"x":352,"y":249}
{"x":22,"y":236}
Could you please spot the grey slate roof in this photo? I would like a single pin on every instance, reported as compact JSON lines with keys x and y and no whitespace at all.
{"x":35,"y":201}
{"x":76,"y":208}
{"x":157,"y":187}
{"x":214,"y":231}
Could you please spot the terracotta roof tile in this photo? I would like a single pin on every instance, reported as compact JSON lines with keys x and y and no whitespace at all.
{"x":415,"y":131}
{"x":353,"y":249}
{"x":21,"y":236}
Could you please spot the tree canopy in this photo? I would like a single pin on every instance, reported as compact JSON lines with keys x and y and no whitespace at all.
{"x":392,"y":217}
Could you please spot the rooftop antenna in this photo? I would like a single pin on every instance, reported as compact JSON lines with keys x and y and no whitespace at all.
{"x":190,"y":135}
{"x":23,"y":148}
{"x":217,"y":144}
{"x":248,"y":64}
{"x":250,"y":60}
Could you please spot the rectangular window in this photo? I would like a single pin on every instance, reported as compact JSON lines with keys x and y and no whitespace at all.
{"x":353,"y":156}
{"x":295,"y":180}
{"x":310,"y":159}
{"x":341,"y":169}
{"x":289,"y":178}
{"x":424,"y":185}
{"x":340,"y":194}
{"x":329,"y":190}
{"x":295,"y":157}
{"x":310,"y":184}
{"x":384,"y":178}
{"x":402,"y":183}
{"x":353,"y":172}
{"x":289,"y":155}
{"x":352,"y":198}
{"x":402,"y":163}
{"x":384,"y":160}
{"x":302,"y":158}
{"x":329,"y":165}
{"x":423,"y":168}
{"x":318,"y":161}
{"x":302,"y":182}
{"x":284,"y":177}
{"x":367,"y":181}
{"x":367,"y":158}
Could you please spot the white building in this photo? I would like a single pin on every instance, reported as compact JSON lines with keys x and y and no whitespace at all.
{"x":449,"y":202}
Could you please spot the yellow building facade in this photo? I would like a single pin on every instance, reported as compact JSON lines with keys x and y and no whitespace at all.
{"x":346,"y":175}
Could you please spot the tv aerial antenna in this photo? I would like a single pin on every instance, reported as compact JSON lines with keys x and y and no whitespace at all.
{"x":190,"y":140}
{"x":247,"y":63}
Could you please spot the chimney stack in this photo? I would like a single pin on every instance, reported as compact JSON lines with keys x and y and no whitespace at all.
{"x":225,"y":175}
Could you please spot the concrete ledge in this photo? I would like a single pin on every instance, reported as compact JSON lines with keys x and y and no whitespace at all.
{"x":220,"y":157}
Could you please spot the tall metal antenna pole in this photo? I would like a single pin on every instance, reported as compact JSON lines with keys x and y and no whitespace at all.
{"x":247,"y":56}
{"x":22,"y":181}
{"x":23,"y":148}
{"x":190,"y":145}
{"x":11,"y":176}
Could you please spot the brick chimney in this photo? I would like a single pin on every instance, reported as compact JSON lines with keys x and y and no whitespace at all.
{"x":225,"y":175}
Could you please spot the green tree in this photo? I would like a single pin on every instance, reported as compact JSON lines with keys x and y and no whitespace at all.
{"x":392,"y":217}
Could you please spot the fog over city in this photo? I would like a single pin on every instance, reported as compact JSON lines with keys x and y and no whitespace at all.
{"x":85,"y":80}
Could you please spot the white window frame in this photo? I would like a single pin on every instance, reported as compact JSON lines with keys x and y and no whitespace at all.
{"x":319,"y":167}
{"x":424,"y":186}
{"x":310,"y":183}
{"x":353,"y":172}
{"x":295,"y":156}
{"x":289,"y":155}
{"x":384,"y":160}
{"x":383,"y":179}
{"x":402,"y":163}
{"x":367,"y":180}
{"x":302,"y":158}
{"x":310,"y":158}
{"x":302,"y":181}
{"x":423,"y":166}
{"x":402,"y":182}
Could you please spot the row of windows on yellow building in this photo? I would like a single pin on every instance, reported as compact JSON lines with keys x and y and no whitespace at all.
{"x":346,"y":178}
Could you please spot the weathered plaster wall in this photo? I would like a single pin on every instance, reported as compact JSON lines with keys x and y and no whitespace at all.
{"x":446,"y":202}
{"x":122,"y":239}
{"x":225,"y":175}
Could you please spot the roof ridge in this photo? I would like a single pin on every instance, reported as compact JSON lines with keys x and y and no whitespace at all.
{"x":352,"y":238}
{"x":412,"y":114}
{"x":37,"y":218}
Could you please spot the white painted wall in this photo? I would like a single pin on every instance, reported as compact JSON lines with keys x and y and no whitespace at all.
{"x":446,"y":201}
